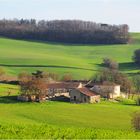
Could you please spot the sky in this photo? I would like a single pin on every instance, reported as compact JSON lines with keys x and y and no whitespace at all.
{"x":100,"y":11}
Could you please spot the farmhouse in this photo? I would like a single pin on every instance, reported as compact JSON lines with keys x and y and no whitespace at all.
{"x":75,"y":91}
{"x":84,"y":95}
{"x":61,"y":88}
{"x":64,"y":91}
{"x":107,"y":91}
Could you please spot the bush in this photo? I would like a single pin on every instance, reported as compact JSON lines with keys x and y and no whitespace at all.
{"x":138,"y":101}
{"x":136,"y":57}
{"x":125,"y":101}
{"x":128,"y":102}
{"x":136,"y":121}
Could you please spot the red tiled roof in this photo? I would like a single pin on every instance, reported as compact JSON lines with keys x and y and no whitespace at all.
{"x":66,"y":85}
{"x":86,"y":91}
{"x":92,"y":85}
{"x":106,"y":85}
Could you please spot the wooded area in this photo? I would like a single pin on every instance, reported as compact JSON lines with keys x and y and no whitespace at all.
{"x":65,"y":31}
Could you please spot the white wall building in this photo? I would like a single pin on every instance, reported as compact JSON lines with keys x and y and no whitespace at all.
{"x":108,"y":91}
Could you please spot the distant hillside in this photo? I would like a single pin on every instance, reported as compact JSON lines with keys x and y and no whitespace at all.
{"x":82,"y":61}
{"x":135,"y":38}
{"x":66,"y":31}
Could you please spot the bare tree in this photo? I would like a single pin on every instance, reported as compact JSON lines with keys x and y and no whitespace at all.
{"x":114,"y":76}
{"x":33,"y":86}
{"x":67,"y":31}
{"x":109,"y":63}
{"x":136,"y":83}
{"x":67,"y":77}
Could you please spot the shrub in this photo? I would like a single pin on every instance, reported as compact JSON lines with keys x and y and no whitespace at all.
{"x":136,"y":121}
{"x":128,"y":102}
{"x":136,"y":57}
{"x":125,"y":101}
{"x":138,"y":101}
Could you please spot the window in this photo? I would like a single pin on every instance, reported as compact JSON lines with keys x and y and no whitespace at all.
{"x":74,"y":98}
{"x":84,"y":99}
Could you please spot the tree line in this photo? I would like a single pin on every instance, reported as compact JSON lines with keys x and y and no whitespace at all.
{"x":65,"y":31}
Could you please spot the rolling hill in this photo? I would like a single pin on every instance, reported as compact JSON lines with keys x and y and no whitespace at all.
{"x":82,"y":61}
{"x":61,"y":120}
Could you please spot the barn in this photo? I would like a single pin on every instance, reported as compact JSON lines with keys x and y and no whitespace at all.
{"x":84,"y":95}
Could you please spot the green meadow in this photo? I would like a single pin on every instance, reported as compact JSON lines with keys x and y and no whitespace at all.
{"x":82,"y":61}
{"x":60,"y":120}
{"x":63,"y":120}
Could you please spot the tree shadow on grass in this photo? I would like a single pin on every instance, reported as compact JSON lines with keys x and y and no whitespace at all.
{"x":128,"y":104}
{"x":133,"y":74}
{"x":60,"y":99}
{"x":13,"y":100}
{"x":8,"y":99}
{"x":44,"y":66}
{"x":57,"y":43}
{"x":124,"y":66}
{"x":128,"y":66}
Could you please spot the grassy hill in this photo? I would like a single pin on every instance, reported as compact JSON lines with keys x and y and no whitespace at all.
{"x":63,"y":120}
{"x":59,"y":119}
{"x":82,"y":61}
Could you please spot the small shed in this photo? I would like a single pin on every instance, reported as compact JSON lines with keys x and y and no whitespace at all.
{"x":84,"y":95}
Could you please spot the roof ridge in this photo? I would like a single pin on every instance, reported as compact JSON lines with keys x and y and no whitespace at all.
{"x":86,"y":91}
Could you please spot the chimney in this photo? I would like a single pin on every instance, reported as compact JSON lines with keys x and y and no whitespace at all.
{"x":80,"y":85}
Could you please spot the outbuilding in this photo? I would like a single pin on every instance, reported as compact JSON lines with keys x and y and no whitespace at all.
{"x":107,"y":91}
{"x":84,"y":95}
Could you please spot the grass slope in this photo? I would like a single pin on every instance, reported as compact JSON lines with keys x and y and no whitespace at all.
{"x":82,"y":61}
{"x":63,"y":120}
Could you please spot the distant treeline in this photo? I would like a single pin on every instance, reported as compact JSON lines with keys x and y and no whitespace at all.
{"x":66,"y":31}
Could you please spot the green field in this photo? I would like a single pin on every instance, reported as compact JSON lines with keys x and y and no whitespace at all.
{"x":63,"y":120}
{"x":82,"y":61}
{"x":59,"y":119}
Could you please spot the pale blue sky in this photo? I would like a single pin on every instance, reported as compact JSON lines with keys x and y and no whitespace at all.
{"x":105,"y":11}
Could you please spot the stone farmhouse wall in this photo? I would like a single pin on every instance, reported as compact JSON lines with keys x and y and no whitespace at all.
{"x":107,"y":90}
{"x":76,"y":96}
